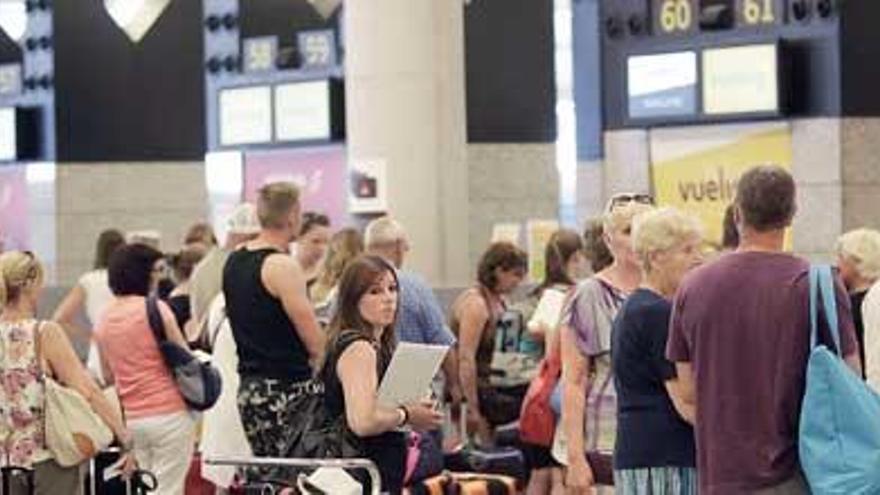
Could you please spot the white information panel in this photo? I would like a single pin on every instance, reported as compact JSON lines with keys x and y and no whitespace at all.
{"x":742,"y":79}
{"x":246,"y":115}
{"x":8,"y":135}
{"x":302,"y":111}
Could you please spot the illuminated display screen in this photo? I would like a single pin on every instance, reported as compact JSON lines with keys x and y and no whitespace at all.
{"x":8,"y":135}
{"x":742,"y":79}
{"x":302,"y":111}
{"x":662,"y":85}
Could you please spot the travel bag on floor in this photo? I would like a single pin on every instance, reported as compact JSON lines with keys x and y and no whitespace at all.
{"x":839,"y":427}
{"x":508,"y":461}
{"x":15,"y":480}
{"x":465,"y":484}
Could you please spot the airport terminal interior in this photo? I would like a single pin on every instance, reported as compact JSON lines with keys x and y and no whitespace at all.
{"x":439,"y":247}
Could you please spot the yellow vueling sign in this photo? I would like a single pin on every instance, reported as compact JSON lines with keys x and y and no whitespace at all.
{"x":696,"y":170}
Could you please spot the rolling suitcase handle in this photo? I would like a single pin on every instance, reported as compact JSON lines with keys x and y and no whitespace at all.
{"x":7,"y":472}
{"x":365,"y":464}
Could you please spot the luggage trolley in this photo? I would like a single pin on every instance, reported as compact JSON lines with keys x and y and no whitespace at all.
{"x":362,"y":464}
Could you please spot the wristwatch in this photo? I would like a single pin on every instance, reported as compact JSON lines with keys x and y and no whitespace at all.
{"x":404,"y":416}
{"x":126,"y":446}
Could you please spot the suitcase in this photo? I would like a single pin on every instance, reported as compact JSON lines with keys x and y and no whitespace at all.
{"x":11,"y":476}
{"x":465,"y":484}
{"x":141,"y":483}
{"x":94,"y":478}
{"x":470,"y":458}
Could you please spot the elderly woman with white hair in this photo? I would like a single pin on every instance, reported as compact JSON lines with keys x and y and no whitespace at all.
{"x":858,"y":259}
{"x":655,"y":450}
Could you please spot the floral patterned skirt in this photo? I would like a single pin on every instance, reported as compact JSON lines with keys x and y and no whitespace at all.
{"x":270,"y":410}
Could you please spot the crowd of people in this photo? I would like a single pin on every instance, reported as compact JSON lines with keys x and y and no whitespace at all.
{"x":673,"y":370}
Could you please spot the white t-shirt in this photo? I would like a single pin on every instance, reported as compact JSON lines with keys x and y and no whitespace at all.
{"x":871,"y":318}
{"x":222,"y":430}
{"x":98,"y":295}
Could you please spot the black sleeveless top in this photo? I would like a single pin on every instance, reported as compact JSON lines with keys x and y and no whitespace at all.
{"x":268,"y":343}
{"x":387,"y":450}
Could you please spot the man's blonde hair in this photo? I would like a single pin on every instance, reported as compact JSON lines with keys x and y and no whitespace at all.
{"x":275,"y":202}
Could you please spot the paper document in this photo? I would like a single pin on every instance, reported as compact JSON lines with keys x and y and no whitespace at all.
{"x":548,"y":311}
{"x":408,"y":378}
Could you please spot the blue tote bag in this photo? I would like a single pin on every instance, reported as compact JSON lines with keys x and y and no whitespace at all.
{"x":840,"y":418}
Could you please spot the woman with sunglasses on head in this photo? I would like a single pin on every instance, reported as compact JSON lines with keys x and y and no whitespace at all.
{"x":564,"y":265}
{"x":360,"y":344}
{"x":588,"y":396}
{"x":654,"y":450}
{"x":30,"y":348}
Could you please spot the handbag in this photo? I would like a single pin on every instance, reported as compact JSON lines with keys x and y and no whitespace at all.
{"x":322,"y":435}
{"x":198,"y":382}
{"x":839,"y":438}
{"x":74,"y":432}
{"x":537,"y":420}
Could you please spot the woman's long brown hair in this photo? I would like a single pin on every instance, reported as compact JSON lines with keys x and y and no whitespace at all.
{"x":356,"y":280}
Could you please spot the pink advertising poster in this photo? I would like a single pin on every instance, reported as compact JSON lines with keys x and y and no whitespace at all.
{"x":320,"y":173}
{"x":14,"y":231}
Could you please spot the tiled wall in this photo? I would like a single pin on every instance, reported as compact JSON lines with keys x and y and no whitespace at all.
{"x":167,"y":197}
{"x":861,"y":173}
{"x":509,"y":183}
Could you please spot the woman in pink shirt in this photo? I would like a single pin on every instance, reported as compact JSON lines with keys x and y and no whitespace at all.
{"x":156,"y":414}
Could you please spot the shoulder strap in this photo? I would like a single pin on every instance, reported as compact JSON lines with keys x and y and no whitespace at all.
{"x":38,"y":348}
{"x":216,"y":331}
{"x":822,"y":286}
{"x":492,"y":322}
{"x":154,"y":317}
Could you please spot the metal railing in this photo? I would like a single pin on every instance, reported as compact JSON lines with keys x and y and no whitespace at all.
{"x":365,"y":464}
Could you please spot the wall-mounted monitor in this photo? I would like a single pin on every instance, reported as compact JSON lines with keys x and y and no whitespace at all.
{"x":662,"y":85}
{"x":246,"y":115}
{"x":741,"y":80}
{"x":303,"y":111}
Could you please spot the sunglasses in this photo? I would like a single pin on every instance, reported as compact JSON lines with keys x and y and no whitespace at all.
{"x":621,"y":199}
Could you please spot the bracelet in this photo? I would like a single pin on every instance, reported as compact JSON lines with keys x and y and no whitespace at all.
{"x":405,"y":419}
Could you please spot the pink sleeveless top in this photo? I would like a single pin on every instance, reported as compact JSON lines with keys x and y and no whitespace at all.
{"x":143,"y":381}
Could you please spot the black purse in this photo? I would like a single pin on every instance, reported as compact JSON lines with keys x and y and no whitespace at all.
{"x":322,"y":437}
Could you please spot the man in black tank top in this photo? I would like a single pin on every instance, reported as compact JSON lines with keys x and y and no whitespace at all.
{"x":273,"y":324}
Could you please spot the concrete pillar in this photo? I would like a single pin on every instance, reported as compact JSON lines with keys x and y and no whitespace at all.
{"x":405,"y":104}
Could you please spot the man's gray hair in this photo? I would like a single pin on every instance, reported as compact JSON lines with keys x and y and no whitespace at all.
{"x":383,"y":231}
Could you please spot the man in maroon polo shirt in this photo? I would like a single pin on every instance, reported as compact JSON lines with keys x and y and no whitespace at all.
{"x":740,"y":339}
